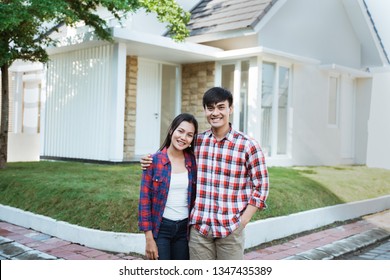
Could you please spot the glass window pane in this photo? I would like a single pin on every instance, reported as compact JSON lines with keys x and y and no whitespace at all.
{"x":227,"y":80}
{"x":282,"y":109}
{"x":228,"y":76}
{"x":168,"y":99}
{"x":244,"y":96}
{"x":266,"y":106}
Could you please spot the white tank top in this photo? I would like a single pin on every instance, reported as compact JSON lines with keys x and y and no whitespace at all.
{"x":176,"y":207}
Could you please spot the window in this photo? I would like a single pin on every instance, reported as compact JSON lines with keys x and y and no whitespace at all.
{"x":284,"y":80}
{"x":228,"y":81}
{"x":267,"y":101}
{"x":262,"y":113}
{"x":333,"y":101}
{"x":274,"y":109}
{"x":168,"y":98}
{"x":244,"y":96}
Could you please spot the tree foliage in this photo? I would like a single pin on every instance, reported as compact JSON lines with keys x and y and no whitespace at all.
{"x":26,"y":26}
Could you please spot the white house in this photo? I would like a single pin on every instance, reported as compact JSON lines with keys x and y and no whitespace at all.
{"x":310,"y":80}
{"x":27,"y":95}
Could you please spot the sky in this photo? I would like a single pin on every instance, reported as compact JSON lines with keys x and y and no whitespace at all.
{"x":380,"y":10}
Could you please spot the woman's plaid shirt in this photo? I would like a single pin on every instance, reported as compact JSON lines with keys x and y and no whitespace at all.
{"x":231,"y":174}
{"x":155,"y":188}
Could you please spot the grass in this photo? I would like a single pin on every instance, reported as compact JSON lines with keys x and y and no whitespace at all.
{"x":106,"y":196}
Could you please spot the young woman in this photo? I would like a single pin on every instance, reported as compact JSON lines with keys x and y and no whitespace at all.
{"x":168,"y":193}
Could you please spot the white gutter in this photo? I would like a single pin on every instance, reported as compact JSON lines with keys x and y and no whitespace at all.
{"x":261,"y":51}
{"x":343,"y":69}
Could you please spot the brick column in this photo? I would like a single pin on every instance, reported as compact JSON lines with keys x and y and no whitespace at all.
{"x":196,"y":79}
{"x":130,"y":107}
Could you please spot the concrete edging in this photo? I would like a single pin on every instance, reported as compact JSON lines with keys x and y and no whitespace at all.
{"x":256,"y":232}
{"x":275,"y":228}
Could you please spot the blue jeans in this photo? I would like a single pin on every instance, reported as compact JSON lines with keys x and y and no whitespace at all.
{"x":172,"y":240}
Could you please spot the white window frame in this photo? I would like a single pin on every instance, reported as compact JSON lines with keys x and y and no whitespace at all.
{"x":252,"y":86}
{"x":336,"y":123}
{"x":254,"y":97}
{"x":274,"y":130}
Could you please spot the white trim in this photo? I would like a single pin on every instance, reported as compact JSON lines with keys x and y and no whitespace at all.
{"x":25,"y":66}
{"x":338,"y":93}
{"x":236,"y":94}
{"x":274,"y":9}
{"x":178,"y":90}
{"x":354,"y":73}
{"x":118,"y":103}
{"x":221,"y":35}
{"x":308,"y":220}
{"x":374,"y":34}
{"x":265,"y":53}
{"x":254,"y":99}
{"x":275,"y":112}
{"x":385,"y":69}
{"x":125,"y":36}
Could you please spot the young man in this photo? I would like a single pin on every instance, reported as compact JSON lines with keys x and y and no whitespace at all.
{"x":232,"y":183}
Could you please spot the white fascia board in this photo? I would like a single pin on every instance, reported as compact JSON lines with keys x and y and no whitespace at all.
{"x":274,"y":9}
{"x":266,"y":52}
{"x":364,"y":26}
{"x":120,"y":34}
{"x":356,"y":73}
{"x":229,"y":34}
{"x":374,"y":34}
{"x":385,"y":69}
{"x":75,"y":46}
{"x":25,"y":66}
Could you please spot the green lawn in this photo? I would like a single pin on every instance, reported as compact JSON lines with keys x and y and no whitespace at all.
{"x":106,"y":196}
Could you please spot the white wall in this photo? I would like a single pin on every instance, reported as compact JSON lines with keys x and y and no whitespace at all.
{"x":378,"y":151}
{"x":23,"y":147}
{"x":314,"y":142}
{"x":85,"y":96}
{"x":315,"y":29}
{"x":363,"y":101}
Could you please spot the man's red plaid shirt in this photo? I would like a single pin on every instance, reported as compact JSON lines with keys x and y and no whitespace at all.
{"x":231,"y":174}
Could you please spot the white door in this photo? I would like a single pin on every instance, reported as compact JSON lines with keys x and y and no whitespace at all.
{"x":147,"y":135}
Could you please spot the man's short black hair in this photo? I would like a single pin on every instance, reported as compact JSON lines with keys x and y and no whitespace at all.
{"x":215,"y":95}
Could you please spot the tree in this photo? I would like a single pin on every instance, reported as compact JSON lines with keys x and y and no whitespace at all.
{"x":26,"y":26}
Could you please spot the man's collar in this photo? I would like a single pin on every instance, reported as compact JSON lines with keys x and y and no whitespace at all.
{"x":229,"y":135}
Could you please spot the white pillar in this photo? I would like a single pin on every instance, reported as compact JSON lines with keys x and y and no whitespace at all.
{"x":118,"y":103}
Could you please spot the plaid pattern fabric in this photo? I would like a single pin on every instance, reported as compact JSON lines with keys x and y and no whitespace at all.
{"x":231,"y":174}
{"x":155,"y":187}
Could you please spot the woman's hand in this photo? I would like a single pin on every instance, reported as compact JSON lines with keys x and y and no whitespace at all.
{"x":151,"y":250}
{"x":146,"y":161}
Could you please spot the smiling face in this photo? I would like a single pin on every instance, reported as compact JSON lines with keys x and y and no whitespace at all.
{"x":182,"y":136}
{"x":218,"y":114}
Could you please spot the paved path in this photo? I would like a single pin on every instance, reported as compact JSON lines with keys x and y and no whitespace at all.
{"x":20,"y":243}
{"x":379,"y":251}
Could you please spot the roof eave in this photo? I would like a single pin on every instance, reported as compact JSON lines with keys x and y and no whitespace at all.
{"x":229,"y":34}
{"x":365,"y":29}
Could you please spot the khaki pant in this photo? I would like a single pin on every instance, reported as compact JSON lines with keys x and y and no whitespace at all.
{"x":210,"y":248}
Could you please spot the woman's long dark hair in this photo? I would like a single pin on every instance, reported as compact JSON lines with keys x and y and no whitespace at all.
{"x":184,"y":117}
